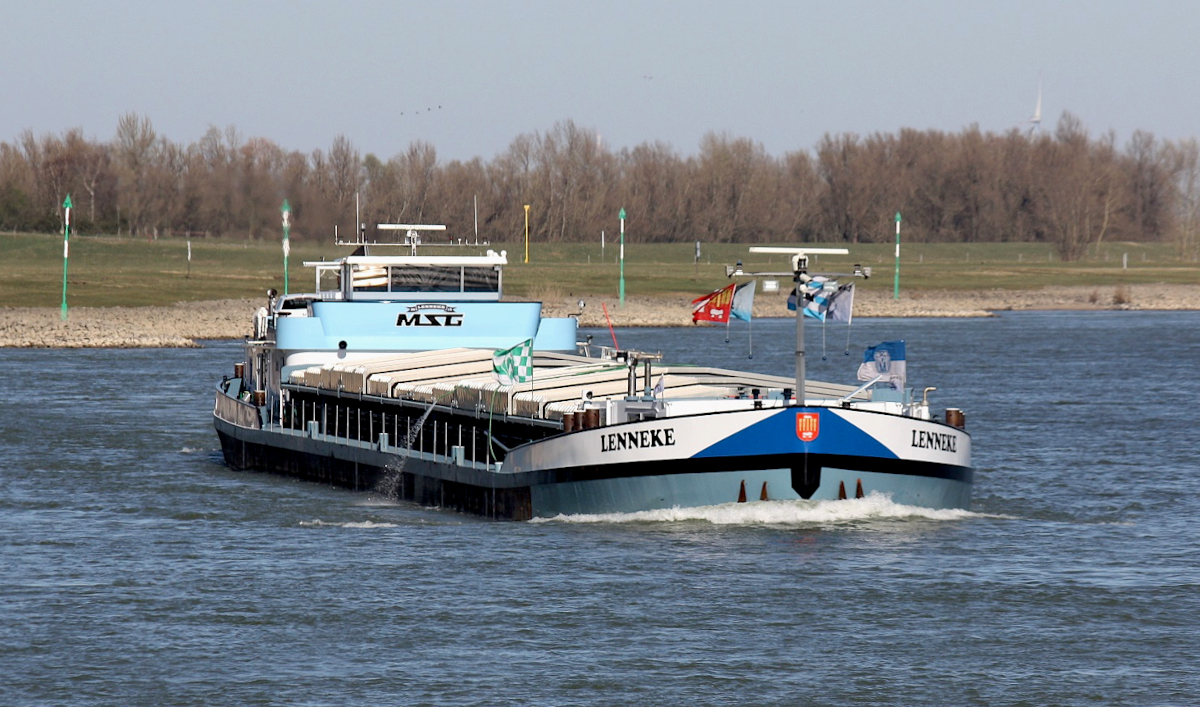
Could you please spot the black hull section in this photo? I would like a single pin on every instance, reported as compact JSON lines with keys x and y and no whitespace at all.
{"x":413,"y":486}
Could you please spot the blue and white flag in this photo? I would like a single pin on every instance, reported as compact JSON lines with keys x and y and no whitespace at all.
{"x":820,"y":291}
{"x":887,"y":360}
{"x":810,"y":290}
{"x":826,"y":300}
{"x":841,"y":304}
{"x":743,"y":301}
{"x":514,"y":365}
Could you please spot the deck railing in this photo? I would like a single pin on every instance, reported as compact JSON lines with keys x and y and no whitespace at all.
{"x":236,"y":412}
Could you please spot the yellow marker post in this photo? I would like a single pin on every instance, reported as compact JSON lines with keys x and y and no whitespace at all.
{"x":527,"y":233}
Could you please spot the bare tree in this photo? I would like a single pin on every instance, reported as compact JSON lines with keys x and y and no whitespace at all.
{"x":800,"y":199}
{"x":134,"y":150}
{"x":1184,"y":160}
{"x":16,"y":186}
{"x":1077,"y":190}
{"x":852,"y":186}
{"x":345,"y":175}
{"x":575,"y":173}
{"x":1147,"y":179}
{"x":654,"y":188}
{"x":93,"y":167}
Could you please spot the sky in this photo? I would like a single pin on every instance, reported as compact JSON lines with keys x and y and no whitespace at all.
{"x":470,"y":77}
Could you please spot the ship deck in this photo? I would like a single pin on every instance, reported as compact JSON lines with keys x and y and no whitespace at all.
{"x":561,"y":383}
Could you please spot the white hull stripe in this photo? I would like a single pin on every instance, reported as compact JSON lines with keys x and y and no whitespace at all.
{"x":839,"y":433}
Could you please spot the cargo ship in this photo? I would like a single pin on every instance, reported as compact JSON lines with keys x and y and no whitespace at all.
{"x":405,"y":373}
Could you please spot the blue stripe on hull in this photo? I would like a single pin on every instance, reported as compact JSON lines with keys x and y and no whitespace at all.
{"x":777,"y":435}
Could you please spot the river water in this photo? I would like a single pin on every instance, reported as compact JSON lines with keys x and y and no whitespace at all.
{"x":135,"y":569}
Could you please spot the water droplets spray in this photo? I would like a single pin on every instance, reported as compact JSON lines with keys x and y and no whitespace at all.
{"x":389,"y":484}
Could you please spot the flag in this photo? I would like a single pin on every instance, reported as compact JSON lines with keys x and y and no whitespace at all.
{"x":743,"y":301}
{"x":660,"y":386}
{"x":887,"y":360}
{"x":807,"y":290}
{"x":826,"y":300}
{"x":514,"y":365}
{"x":816,"y":296}
{"x":841,"y":304}
{"x":819,"y":292}
{"x":713,"y":307}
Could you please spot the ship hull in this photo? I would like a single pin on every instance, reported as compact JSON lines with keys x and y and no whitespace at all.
{"x":646,"y":465}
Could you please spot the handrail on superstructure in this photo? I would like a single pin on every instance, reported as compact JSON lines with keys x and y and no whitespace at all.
{"x":411,"y":237}
{"x":410,"y":227}
{"x":861,"y":388}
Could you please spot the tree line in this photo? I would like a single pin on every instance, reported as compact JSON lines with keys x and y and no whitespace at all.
{"x":1064,"y":187}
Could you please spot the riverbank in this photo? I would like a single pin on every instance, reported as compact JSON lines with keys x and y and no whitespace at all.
{"x":182,"y":324}
{"x":177,"y":326}
{"x":654,"y":311}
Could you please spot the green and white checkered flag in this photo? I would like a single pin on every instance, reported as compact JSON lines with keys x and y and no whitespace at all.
{"x":514,"y":365}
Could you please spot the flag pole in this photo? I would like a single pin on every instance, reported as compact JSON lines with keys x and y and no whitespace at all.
{"x":800,"y":261}
{"x":613,"y":333}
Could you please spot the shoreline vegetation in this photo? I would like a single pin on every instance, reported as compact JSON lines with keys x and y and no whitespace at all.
{"x":1064,"y":187}
{"x":182,"y":324}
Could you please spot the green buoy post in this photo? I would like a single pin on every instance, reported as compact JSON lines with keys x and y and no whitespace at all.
{"x":66,"y":241}
{"x":896,"y":287}
{"x":621,"y":290}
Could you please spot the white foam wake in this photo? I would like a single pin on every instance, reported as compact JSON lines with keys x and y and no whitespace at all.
{"x":317,"y":523}
{"x":873,"y":507}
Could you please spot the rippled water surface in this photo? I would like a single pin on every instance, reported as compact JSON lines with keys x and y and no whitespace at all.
{"x":135,"y":569}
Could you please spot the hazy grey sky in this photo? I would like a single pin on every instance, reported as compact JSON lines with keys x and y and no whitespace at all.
{"x":468,"y":77}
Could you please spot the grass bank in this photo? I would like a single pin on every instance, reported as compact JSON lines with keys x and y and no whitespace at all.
{"x":108,"y":271}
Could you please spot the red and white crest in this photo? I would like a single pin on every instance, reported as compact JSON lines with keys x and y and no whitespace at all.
{"x":808,"y":426}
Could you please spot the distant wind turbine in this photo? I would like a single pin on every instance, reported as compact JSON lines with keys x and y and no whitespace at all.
{"x":1035,"y":121}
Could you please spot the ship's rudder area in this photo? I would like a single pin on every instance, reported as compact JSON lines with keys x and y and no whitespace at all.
{"x":806,"y":478}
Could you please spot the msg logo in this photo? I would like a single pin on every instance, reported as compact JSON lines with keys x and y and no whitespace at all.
{"x":421,"y":319}
{"x":418,"y":315}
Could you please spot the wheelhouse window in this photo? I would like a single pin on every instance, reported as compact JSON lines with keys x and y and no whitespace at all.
{"x":481,"y":279}
{"x":426,"y":278}
{"x":369,"y":278}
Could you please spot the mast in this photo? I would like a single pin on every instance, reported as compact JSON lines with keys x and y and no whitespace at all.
{"x":800,"y":268}
{"x":801,"y":278}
